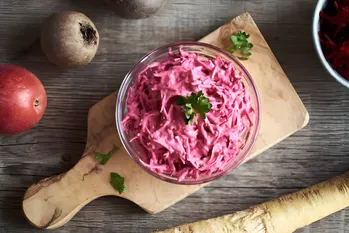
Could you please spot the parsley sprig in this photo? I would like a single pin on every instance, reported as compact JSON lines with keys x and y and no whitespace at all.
{"x":241,"y":45}
{"x":195,"y":103}
{"x":103,"y":158}
{"x":117,"y":182}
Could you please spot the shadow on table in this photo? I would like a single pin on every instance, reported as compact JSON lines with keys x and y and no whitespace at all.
{"x":24,"y":49}
{"x":94,"y":9}
{"x":11,"y":213}
{"x":111,"y":214}
{"x":91,"y":216}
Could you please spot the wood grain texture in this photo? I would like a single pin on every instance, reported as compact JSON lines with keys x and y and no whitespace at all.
{"x":53,"y":201}
{"x":275,"y":90}
{"x":316,"y":153}
{"x":285,"y":214}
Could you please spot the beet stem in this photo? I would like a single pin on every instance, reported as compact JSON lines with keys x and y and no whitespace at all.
{"x":88,"y":33}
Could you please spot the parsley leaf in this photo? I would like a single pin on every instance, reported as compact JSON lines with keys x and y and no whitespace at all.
{"x":241,"y":45}
{"x":103,"y":158}
{"x":193,"y":104}
{"x":180,"y":100}
{"x":242,"y":58}
{"x":117,"y":182}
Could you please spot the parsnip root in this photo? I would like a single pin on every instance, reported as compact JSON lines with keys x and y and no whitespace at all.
{"x":282,"y":215}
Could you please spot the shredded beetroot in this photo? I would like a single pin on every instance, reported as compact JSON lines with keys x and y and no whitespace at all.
{"x":170,"y":145}
{"x":334,"y":35}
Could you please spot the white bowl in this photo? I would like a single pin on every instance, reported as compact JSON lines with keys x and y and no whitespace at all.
{"x":316,"y":26}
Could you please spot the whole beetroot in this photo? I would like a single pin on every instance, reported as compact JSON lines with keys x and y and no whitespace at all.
{"x":69,"y":39}
{"x":137,"y":9}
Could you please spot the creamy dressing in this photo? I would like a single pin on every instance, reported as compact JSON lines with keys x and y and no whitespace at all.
{"x":171,"y":146}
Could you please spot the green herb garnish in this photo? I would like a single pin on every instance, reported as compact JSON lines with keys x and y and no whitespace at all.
{"x":117,"y":182}
{"x":241,"y":45}
{"x":194,"y":104}
{"x":103,"y":158}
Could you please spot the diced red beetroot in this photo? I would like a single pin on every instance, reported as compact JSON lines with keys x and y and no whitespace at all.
{"x":334,"y":35}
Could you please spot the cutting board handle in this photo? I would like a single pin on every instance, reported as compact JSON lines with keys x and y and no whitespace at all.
{"x":53,"y":201}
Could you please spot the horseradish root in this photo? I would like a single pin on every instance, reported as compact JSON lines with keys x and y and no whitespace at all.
{"x":282,"y":215}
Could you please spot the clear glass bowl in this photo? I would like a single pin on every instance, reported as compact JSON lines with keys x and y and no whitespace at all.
{"x":161,"y":54}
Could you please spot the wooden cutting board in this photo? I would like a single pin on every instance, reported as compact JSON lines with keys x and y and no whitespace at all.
{"x":54,"y":201}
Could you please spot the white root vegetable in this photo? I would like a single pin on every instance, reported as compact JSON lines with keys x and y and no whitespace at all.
{"x":282,"y":215}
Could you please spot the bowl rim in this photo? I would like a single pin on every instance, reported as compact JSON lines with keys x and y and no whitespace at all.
{"x":127,"y":147}
{"x":316,"y":21}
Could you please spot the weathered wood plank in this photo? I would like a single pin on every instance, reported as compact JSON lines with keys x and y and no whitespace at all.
{"x":314,"y":154}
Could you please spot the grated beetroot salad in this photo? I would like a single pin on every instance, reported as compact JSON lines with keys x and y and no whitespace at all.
{"x":159,"y":127}
{"x":334,"y":35}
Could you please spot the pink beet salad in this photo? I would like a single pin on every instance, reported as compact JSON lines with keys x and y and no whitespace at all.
{"x":189,"y":115}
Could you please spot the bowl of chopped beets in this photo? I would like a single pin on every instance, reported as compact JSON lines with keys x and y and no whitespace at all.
{"x":331,"y":37}
{"x":188,"y":113}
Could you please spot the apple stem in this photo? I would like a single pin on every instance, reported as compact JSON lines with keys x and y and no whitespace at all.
{"x":36,"y":103}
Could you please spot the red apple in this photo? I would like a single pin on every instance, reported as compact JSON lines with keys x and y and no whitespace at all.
{"x":22,"y":99}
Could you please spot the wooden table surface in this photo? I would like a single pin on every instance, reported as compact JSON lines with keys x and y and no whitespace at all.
{"x":316,"y":153}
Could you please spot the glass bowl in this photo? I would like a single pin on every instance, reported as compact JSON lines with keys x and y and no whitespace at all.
{"x":161,"y":54}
